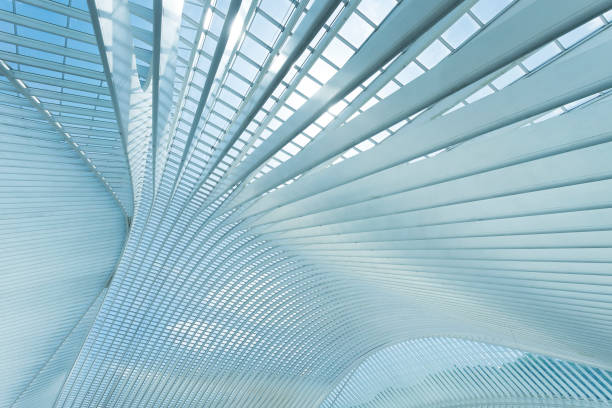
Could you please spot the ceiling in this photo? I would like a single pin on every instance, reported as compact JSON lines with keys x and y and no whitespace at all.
{"x":324,"y":203}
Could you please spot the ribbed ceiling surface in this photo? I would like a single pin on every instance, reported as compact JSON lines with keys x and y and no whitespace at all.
{"x":282,"y":203}
{"x":453,"y":372}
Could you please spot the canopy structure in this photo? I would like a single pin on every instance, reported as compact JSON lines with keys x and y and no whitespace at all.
{"x":305,"y":203}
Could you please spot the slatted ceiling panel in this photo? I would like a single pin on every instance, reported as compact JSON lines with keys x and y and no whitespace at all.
{"x":139,"y":140}
{"x":315,"y":68}
{"x":457,"y":34}
{"x":281,"y":64}
{"x":223,"y":45}
{"x":141,"y":20}
{"x":355,"y":71}
{"x":51,"y":52}
{"x":43,"y":389}
{"x":455,"y":372}
{"x":192,"y":81}
{"x":62,"y":234}
{"x":530,"y":146}
{"x":399,"y":101}
{"x":191,"y":32}
{"x":303,"y":187}
{"x":379,"y":85}
{"x":245,"y":66}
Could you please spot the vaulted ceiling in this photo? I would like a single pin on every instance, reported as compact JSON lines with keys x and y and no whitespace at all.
{"x":323,"y":203}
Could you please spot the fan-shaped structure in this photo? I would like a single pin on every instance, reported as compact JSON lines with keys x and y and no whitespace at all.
{"x":317,"y":203}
